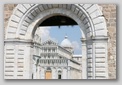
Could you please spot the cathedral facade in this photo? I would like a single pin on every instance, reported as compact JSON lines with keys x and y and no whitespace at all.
{"x":53,"y":61}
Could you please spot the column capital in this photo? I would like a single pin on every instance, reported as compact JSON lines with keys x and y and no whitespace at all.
{"x":18,"y":41}
{"x":82,"y":39}
{"x":100,"y":38}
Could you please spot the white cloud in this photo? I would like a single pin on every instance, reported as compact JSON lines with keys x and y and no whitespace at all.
{"x":44,"y":32}
{"x":76,"y":45}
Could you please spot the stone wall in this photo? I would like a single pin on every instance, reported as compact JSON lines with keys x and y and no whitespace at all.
{"x":109,"y":11}
{"x":8,"y":9}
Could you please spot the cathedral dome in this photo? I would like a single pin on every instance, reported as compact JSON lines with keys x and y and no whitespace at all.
{"x":66,"y":42}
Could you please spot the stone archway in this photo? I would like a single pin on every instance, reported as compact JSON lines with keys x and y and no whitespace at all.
{"x":26,"y":18}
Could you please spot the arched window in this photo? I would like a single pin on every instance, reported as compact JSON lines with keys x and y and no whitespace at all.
{"x":37,"y":62}
{"x":59,"y":74}
{"x":48,"y":56}
{"x":48,"y":61}
{"x":49,"y":50}
{"x":48,"y":69}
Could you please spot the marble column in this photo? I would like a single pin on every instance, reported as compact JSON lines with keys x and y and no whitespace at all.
{"x":53,"y":73}
{"x":84,"y":59}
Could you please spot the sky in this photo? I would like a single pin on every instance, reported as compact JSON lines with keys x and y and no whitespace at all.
{"x":57,"y":34}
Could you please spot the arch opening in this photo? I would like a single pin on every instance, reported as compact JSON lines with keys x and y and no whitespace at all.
{"x":57,"y":19}
{"x":64,"y":26}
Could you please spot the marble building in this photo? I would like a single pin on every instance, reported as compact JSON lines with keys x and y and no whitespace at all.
{"x":53,"y":61}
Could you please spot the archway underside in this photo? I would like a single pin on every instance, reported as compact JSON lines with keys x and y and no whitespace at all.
{"x":27,"y":17}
